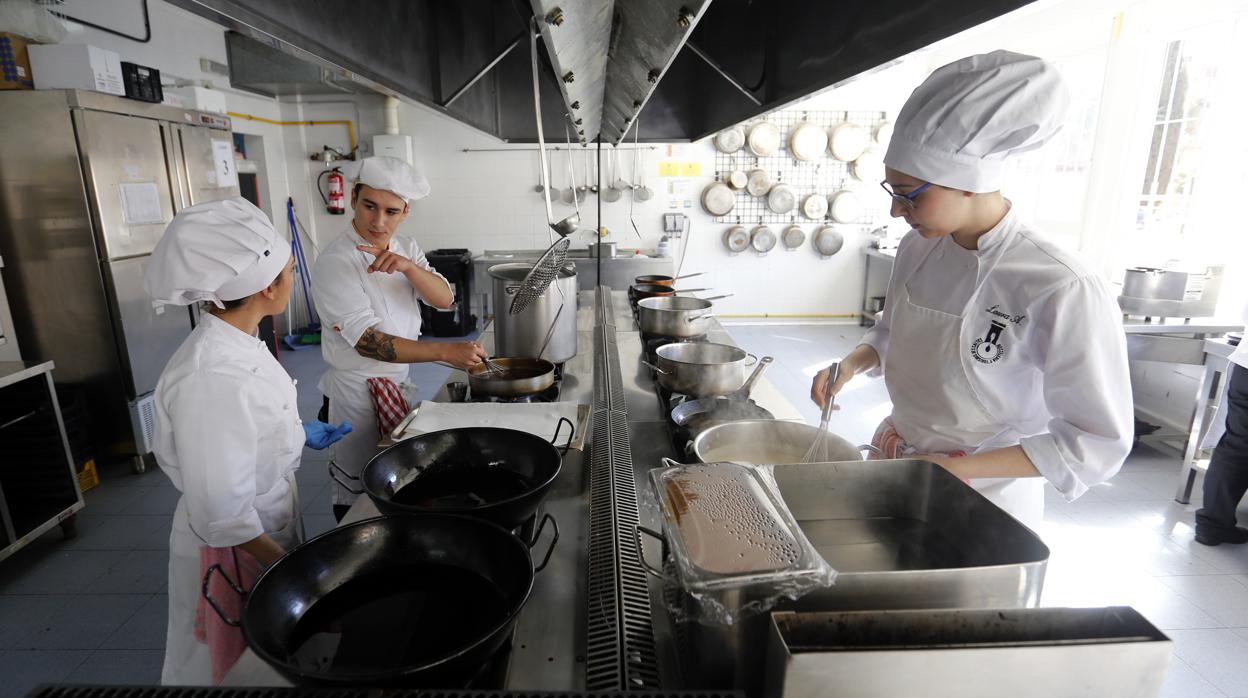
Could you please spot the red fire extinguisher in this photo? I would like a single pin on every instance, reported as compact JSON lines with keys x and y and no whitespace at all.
{"x":336,"y":201}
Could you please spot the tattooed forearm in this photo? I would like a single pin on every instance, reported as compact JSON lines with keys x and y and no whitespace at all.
{"x":376,"y":345}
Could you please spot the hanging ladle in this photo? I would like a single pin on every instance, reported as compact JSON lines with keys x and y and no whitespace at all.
{"x":568,"y":225}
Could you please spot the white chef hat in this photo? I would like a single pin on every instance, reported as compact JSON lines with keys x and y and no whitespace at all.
{"x":391,"y":174}
{"x":957,"y":128}
{"x":216,"y":251}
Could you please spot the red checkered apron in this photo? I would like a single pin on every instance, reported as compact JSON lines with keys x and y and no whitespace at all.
{"x":389,"y":404}
{"x":890,"y":442}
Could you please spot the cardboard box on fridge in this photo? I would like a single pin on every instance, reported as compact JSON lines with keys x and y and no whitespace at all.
{"x":14,"y":63}
{"x":76,"y":67}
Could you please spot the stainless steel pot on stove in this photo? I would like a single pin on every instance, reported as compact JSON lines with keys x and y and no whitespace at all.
{"x":675,"y":316}
{"x":768,"y":442}
{"x":552,"y":314}
{"x":701,"y":369}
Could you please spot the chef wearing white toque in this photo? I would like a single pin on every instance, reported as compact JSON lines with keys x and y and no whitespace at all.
{"x":366,"y":285}
{"x":228,"y":432}
{"x":1003,"y":355}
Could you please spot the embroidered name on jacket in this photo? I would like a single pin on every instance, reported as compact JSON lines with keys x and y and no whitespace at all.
{"x":996,"y":311}
{"x":989,"y":349}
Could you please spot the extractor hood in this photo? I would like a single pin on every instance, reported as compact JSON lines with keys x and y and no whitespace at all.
{"x":689,"y":68}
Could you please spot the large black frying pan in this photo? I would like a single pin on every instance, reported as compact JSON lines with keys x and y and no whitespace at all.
{"x":497,"y":474}
{"x":704,"y":413}
{"x":417,"y":600}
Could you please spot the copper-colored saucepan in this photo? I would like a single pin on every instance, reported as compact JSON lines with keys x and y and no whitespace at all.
{"x":637,"y":292}
{"x":662,"y":280}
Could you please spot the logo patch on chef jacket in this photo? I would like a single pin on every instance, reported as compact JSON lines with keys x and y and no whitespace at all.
{"x":988,"y":349}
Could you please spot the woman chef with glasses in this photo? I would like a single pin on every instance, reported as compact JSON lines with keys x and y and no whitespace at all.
{"x":1003,"y":354}
{"x":228,"y":432}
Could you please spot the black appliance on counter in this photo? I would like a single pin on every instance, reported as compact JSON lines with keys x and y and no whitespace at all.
{"x":456,"y":266}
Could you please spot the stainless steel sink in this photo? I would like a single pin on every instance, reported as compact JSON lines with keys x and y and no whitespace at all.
{"x":907,"y":534}
{"x":902,"y":534}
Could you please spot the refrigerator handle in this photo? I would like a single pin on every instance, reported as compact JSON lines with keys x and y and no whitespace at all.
{"x":176,"y":163}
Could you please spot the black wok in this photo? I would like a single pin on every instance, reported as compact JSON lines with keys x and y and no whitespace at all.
{"x":416,"y":600}
{"x":496,"y":474}
{"x":704,"y":413}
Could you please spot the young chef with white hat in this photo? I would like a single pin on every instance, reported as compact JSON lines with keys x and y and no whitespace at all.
{"x":367,"y":284}
{"x":228,"y":432}
{"x":1003,"y":355}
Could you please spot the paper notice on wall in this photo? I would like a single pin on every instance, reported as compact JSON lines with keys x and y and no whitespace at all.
{"x":140,"y":203}
{"x":678,"y":187}
{"x":669,"y":169}
{"x":690,"y":169}
{"x":223,"y":163}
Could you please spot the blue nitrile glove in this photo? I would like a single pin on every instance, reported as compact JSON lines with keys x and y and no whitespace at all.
{"x":320,"y":435}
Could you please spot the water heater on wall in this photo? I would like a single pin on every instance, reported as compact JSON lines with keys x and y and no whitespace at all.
{"x":394,"y":146}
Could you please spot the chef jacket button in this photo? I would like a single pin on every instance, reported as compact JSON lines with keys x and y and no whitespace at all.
{"x":294,"y":381}
{"x":254,"y":369}
{"x":286,"y":406}
{"x":299,"y":422}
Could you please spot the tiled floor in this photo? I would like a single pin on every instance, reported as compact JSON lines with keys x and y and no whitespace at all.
{"x":93,"y":609}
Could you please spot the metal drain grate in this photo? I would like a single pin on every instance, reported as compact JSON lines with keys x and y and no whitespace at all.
{"x":58,"y":691}
{"x":620,"y":643}
{"x":608,"y":379}
{"x":605,"y":313}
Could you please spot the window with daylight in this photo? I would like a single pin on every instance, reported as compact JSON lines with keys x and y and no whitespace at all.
{"x":1171,"y":175}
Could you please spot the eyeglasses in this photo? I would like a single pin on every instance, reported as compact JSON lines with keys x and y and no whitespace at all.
{"x":906,"y":200}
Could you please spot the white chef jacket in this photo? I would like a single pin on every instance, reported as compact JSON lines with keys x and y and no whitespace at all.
{"x":227,"y":432}
{"x":228,"y":435}
{"x":1056,"y":372}
{"x":351,"y":300}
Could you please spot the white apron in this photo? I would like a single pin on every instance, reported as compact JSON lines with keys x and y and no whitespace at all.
{"x":350,"y":400}
{"x":187,"y":661}
{"x":935,"y":407}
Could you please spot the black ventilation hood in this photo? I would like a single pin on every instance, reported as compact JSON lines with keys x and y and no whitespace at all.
{"x":730,"y":59}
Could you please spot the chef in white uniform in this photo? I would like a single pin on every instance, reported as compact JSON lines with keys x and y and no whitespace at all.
{"x":366,"y":285}
{"x":1003,"y":354}
{"x":1226,"y":481}
{"x":228,"y":432}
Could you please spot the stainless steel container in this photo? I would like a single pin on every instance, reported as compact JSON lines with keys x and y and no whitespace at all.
{"x":1022,"y":653}
{"x":1164,"y":293}
{"x":553,"y":313}
{"x":701,"y":369}
{"x":767,"y":442}
{"x":674,"y":316}
{"x":902,"y":534}
{"x":1154,"y":284}
{"x":605,"y":250}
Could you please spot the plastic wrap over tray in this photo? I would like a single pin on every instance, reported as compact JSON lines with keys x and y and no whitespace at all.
{"x":734,"y":546}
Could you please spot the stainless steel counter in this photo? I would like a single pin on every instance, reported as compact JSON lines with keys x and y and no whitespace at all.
{"x":549,"y":647}
{"x":650,"y":443}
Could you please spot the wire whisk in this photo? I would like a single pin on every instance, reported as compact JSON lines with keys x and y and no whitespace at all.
{"x":818,"y":451}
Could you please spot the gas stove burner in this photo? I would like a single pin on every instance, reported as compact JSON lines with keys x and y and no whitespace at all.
{"x":550,"y":394}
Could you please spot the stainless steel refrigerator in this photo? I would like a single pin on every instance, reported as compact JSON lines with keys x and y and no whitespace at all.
{"x":88,"y":183}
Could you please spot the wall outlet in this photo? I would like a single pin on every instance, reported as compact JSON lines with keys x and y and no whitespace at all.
{"x":673,"y":222}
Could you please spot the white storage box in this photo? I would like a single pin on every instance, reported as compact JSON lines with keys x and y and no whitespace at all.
{"x":76,"y":67}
